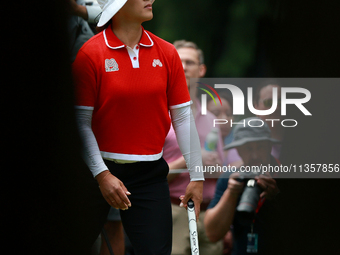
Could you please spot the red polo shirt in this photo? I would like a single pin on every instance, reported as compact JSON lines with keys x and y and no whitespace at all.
{"x":130,"y":92}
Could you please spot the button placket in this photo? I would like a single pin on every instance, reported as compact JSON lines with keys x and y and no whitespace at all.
{"x":133,"y":54}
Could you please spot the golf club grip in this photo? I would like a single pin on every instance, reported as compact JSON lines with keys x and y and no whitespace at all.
{"x":193,"y":228}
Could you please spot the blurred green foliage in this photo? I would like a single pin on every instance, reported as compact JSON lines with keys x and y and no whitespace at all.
{"x":228,"y":32}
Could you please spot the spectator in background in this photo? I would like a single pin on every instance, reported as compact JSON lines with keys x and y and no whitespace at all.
{"x":254,"y":146}
{"x":193,"y":65}
{"x":90,"y":13}
{"x":231,"y":157}
{"x":79,"y":29}
{"x":263,"y":100}
{"x":225,"y":112}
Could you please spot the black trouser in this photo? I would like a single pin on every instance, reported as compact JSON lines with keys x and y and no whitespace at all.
{"x":148,"y":222}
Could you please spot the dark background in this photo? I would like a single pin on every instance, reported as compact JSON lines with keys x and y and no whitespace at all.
{"x":40,"y":159}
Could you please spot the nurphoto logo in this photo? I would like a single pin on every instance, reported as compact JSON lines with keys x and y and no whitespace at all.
{"x":283,"y":99}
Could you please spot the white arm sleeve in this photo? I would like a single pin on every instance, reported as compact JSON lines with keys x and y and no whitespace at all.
{"x":187,"y":137}
{"x":91,"y":152}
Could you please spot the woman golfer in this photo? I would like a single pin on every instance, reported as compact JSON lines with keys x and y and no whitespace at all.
{"x":127,"y":80}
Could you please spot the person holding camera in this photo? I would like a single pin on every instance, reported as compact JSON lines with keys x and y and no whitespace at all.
{"x":245,"y":201}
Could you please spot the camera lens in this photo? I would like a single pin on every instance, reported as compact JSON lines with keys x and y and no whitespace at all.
{"x":248,"y":202}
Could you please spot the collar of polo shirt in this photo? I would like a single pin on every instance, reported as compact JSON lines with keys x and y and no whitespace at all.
{"x":112,"y":41}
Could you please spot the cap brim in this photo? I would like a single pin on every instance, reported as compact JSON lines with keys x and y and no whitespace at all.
{"x":246,"y":140}
{"x":110,"y":11}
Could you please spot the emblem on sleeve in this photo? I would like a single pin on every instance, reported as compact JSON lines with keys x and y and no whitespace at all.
{"x":111,"y":65}
{"x":157,"y":62}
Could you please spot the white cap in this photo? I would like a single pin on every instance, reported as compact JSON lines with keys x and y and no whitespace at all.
{"x":110,"y":8}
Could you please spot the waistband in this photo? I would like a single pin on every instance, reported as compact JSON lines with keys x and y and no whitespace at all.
{"x":121,"y":161}
{"x":142,"y":173}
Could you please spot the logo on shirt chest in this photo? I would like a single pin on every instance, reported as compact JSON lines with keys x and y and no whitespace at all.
{"x":157,"y":62}
{"x":111,"y":65}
